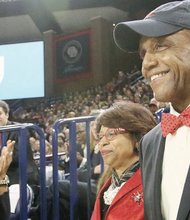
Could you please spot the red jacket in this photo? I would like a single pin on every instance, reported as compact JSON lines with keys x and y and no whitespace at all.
{"x":128,"y":203}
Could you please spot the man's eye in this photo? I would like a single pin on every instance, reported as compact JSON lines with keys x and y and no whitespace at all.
{"x":160,"y":47}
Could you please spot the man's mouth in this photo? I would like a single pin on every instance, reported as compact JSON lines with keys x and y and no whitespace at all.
{"x":157,"y":76}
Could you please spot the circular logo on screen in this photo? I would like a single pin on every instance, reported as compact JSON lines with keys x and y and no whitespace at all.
{"x":72,"y":51}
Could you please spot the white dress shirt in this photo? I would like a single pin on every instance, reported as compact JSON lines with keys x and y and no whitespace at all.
{"x":176,"y":162}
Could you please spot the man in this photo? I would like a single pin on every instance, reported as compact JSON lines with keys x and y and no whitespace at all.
{"x":163,"y":37}
{"x":13,"y":171}
{"x":153,"y":107}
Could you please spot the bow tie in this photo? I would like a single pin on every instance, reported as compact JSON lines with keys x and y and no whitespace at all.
{"x":170,"y":123}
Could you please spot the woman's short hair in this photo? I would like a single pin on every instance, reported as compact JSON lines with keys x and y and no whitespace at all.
{"x":133,"y":117}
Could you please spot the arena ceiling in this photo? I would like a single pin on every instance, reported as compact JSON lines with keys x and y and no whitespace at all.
{"x":27,"y":20}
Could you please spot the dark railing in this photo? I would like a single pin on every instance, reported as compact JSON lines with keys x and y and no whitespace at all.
{"x":71,"y":123}
{"x":22,"y":142}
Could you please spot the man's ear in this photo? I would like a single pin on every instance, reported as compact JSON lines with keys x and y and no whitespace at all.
{"x":137,"y":147}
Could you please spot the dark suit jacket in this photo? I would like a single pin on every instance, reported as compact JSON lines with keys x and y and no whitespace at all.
{"x":151,"y":153}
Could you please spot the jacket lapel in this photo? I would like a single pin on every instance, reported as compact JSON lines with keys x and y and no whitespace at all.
{"x":130,"y":185}
{"x":160,"y":143}
{"x":158,"y":177}
{"x":154,"y":145}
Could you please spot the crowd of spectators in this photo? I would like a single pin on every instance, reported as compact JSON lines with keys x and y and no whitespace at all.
{"x":46,"y":111}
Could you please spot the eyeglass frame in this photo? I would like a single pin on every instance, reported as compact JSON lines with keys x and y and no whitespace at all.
{"x":116,"y":132}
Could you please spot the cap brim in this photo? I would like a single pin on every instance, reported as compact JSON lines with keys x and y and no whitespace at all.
{"x":127,"y":34}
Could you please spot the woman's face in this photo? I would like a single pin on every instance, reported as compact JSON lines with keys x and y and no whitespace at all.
{"x":117,"y":149}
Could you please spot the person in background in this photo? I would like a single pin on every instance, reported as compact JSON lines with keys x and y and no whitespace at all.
{"x":5,"y":161}
{"x":120,"y":129}
{"x":13,"y":170}
{"x":95,"y":158}
{"x":153,"y":106}
{"x":81,"y":144}
{"x":63,"y":149}
{"x":163,"y":39}
{"x":162,"y":106}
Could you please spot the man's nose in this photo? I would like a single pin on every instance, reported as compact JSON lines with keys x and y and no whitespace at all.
{"x":149,"y":61}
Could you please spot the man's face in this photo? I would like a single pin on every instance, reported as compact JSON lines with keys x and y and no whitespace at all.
{"x":3,"y":117}
{"x":166,"y":65}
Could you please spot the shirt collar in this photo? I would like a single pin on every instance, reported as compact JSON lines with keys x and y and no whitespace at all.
{"x":173,"y":111}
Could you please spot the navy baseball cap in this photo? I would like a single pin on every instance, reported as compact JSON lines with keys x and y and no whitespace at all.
{"x":165,"y":19}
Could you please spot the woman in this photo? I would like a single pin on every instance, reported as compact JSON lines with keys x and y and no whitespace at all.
{"x":119,"y":129}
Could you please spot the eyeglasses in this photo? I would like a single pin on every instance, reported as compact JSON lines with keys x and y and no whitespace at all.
{"x":111,"y":133}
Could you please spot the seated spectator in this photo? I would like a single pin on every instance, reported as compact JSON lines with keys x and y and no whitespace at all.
{"x":95,"y":158}
{"x":63,"y":145}
{"x":81,"y":144}
{"x":63,"y":149}
{"x":120,"y":129}
{"x":162,"y":106}
{"x":35,"y":145}
{"x":157,"y":108}
{"x":122,"y":79}
{"x":153,"y":106}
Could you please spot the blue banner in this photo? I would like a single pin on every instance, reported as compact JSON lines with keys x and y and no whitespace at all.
{"x":73,"y":56}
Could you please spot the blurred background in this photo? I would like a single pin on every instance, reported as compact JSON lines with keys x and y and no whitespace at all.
{"x":61,"y":52}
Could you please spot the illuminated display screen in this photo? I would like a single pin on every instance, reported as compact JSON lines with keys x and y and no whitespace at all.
{"x":22,"y":70}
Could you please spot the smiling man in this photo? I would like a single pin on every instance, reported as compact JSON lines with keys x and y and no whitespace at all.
{"x":163,"y":41}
